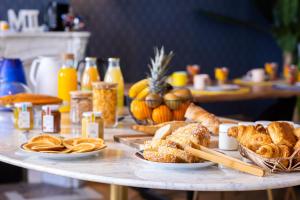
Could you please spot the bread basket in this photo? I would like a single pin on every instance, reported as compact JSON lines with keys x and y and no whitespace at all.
{"x":272,"y":165}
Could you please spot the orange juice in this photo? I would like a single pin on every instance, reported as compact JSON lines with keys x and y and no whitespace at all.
{"x":90,"y":74}
{"x":114,"y":75}
{"x":67,"y":81}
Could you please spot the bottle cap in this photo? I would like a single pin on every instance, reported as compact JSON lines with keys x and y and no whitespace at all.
{"x":68,"y":56}
{"x":21,"y":104}
{"x":104,"y":85}
{"x":89,"y":114}
{"x":114,"y":59}
{"x":51,"y":107}
{"x":88,"y":59}
{"x":81,"y":94}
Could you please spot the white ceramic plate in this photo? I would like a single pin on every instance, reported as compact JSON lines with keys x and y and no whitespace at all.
{"x":175,"y":166}
{"x":225,"y":87}
{"x":61,"y":156}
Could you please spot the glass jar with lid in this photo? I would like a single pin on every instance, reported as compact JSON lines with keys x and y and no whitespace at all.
{"x":23,"y":116}
{"x":105,"y":101}
{"x":51,"y":119}
{"x":92,"y":125}
{"x":81,"y":101}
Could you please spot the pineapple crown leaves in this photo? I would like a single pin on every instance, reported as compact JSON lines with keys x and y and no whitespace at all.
{"x":158,"y":70}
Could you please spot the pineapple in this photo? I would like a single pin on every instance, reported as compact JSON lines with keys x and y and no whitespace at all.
{"x":158,"y":77}
{"x":158,"y":71}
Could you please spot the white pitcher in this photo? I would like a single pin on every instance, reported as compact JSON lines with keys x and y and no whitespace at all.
{"x":43,"y":75}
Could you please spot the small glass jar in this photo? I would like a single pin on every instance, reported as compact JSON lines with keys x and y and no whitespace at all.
{"x":92,"y":125}
{"x":81,"y":101}
{"x":23,"y":116}
{"x":51,"y":119}
{"x":105,"y":101}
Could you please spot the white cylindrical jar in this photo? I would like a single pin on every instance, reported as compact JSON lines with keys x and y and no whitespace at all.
{"x":226,"y":142}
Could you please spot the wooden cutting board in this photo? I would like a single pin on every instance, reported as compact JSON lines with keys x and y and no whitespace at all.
{"x":137,"y":140}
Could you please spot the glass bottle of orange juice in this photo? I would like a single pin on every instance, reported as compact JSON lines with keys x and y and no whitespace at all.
{"x":90,"y":73}
{"x":114,"y":75}
{"x":67,"y":81}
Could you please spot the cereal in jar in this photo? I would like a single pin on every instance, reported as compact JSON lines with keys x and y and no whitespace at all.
{"x":105,"y":101}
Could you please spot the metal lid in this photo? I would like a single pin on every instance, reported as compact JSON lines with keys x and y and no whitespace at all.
{"x":113,"y":59}
{"x":87,"y":59}
{"x":51,"y":107}
{"x":20,"y":104}
{"x":81,"y":94}
{"x":89,"y":114}
{"x":224,"y":127}
{"x":104,"y":85}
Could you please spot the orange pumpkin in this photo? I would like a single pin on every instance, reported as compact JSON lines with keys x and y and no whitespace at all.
{"x":162,"y":114}
{"x":140,"y":110}
{"x":179,"y":113}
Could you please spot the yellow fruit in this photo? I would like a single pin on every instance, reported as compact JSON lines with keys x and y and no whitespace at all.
{"x":140,"y":110}
{"x":162,"y":114}
{"x":143,"y":93}
{"x":137,"y":88}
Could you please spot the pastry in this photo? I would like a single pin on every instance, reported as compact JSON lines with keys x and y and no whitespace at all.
{"x":274,"y":151}
{"x":158,"y":157}
{"x":194,"y":133}
{"x":198,"y":114}
{"x":35,"y":99}
{"x":45,"y":138}
{"x":163,"y":132}
{"x":297,"y":132}
{"x":171,"y":148}
{"x":45,"y":143}
{"x":251,"y":137}
{"x":180,"y":154}
{"x":282,"y":133}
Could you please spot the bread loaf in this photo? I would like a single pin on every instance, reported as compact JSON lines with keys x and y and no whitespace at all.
{"x":198,"y":114}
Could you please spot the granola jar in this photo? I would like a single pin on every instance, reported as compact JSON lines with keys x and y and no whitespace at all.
{"x":81,"y":101}
{"x":105,"y":101}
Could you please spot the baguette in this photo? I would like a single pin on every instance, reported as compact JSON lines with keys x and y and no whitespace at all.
{"x":35,"y":99}
{"x":198,"y":114}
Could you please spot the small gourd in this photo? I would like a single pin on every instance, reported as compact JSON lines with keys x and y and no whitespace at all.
{"x":179,"y":113}
{"x":162,"y":114}
{"x":140,"y":110}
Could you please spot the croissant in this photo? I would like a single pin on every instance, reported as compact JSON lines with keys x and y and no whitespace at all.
{"x":200,"y":115}
{"x":251,"y":137}
{"x":274,"y":151}
{"x":297,"y":132}
{"x":282,"y":133}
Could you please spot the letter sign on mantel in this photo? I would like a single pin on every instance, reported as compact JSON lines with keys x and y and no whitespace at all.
{"x":26,"y":20}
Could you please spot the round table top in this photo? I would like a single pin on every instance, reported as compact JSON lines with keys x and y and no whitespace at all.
{"x":118,"y":165}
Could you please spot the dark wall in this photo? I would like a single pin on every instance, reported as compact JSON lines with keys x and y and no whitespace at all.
{"x":130,"y":30}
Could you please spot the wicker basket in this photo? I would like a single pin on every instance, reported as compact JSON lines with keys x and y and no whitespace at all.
{"x":289,"y":164}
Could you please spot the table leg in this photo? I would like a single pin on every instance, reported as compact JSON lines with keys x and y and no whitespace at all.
{"x":270,"y":194}
{"x":118,"y":192}
{"x":290,"y":192}
{"x":195,"y":195}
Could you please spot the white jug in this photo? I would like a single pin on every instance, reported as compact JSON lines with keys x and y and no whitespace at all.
{"x":44,"y":73}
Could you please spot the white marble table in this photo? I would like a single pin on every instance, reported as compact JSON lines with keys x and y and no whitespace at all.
{"x":117,"y":165}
